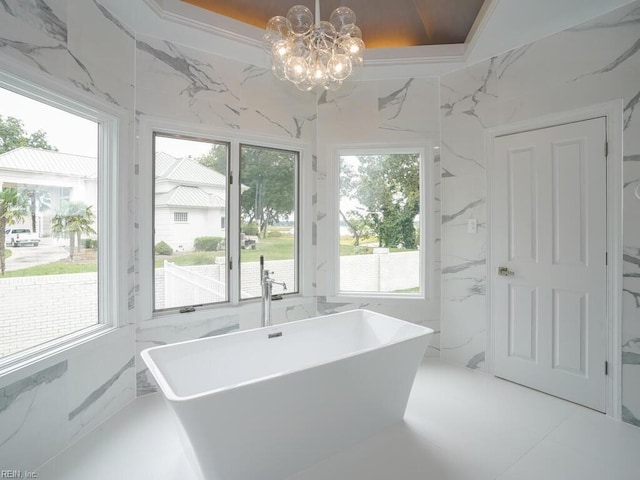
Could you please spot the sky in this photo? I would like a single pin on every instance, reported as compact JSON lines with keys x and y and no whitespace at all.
{"x":73,"y":134}
{"x":67,"y":132}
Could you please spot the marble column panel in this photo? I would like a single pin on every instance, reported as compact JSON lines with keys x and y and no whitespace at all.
{"x":103,"y":381}
{"x":284,"y":112}
{"x":34,"y":33}
{"x":33,"y":418}
{"x":596,"y":48}
{"x":101,"y":53}
{"x":186,"y":85}
{"x":408,"y":109}
{"x":348,"y":116}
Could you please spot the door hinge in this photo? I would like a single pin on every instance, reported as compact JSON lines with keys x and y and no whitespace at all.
{"x":230,"y":178}
{"x":606,"y":368}
{"x":606,"y":149}
{"x":230,"y":264}
{"x":606,"y":258}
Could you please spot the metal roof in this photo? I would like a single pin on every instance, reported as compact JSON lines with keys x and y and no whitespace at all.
{"x":27,"y":159}
{"x":182,"y":196}
{"x":186,"y":171}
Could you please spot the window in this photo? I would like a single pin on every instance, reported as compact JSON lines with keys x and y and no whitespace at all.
{"x":381,"y":225}
{"x":180,"y":217}
{"x":200,"y":258}
{"x":269,"y":206}
{"x":190,"y":260}
{"x":57,"y":178}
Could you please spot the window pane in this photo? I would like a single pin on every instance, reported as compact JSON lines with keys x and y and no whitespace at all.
{"x":380,"y":223}
{"x":48,"y":223}
{"x":190,"y":199}
{"x":268,"y":204}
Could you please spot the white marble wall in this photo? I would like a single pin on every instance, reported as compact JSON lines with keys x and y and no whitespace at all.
{"x":44,"y":407}
{"x":176,"y":82}
{"x":378,"y":114}
{"x":586,"y":65}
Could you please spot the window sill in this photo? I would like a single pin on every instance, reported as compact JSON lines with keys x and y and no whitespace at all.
{"x":220,"y":310}
{"x":359,"y":297}
{"x":52,"y":349}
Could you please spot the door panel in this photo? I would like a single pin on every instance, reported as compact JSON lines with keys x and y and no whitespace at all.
{"x":522,"y":206}
{"x":523,"y":322}
{"x":569,"y":331}
{"x":549,"y":228}
{"x":569,"y":235}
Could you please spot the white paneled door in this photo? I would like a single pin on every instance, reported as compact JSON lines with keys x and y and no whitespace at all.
{"x":548,"y":243}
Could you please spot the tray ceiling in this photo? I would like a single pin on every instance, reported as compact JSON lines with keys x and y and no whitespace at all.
{"x":384,"y":23}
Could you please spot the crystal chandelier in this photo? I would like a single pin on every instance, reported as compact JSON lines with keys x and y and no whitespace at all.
{"x":314,"y":55}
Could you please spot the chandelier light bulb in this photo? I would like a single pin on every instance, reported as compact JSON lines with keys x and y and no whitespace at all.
{"x":296,"y":70}
{"x":311,"y":53}
{"x":339,"y":67}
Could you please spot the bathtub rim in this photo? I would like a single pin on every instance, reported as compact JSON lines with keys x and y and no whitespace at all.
{"x":171,"y":396}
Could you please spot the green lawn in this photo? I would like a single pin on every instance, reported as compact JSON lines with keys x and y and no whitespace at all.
{"x":273,"y":248}
{"x":84,"y":262}
{"x":278,"y":248}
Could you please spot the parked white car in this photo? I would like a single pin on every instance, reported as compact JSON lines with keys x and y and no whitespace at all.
{"x":17,"y":237}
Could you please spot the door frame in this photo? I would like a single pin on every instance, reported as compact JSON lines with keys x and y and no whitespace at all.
{"x":613,"y":112}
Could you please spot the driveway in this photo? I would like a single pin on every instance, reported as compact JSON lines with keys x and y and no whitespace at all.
{"x":50,"y":250}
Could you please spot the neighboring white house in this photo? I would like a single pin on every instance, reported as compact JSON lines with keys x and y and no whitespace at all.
{"x":189,"y":197}
{"x":189,"y":201}
{"x":62,"y":176}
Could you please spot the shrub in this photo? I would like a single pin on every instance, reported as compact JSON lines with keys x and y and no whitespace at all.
{"x":163,"y":248}
{"x":274,"y":234}
{"x":89,"y":243}
{"x":250,"y":229}
{"x":207,"y":244}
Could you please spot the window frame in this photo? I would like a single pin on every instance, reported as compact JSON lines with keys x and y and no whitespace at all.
{"x":296,"y":194}
{"x":427,"y":220}
{"x":164,"y":133}
{"x":112,"y":197}
{"x":150,"y":125}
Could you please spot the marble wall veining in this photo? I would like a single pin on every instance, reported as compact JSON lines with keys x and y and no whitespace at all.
{"x":194,"y":87}
{"x":82,"y":45}
{"x":586,"y":65}
{"x":79,"y":46}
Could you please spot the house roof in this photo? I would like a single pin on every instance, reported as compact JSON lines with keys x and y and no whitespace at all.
{"x":186,"y":171}
{"x":35,"y":160}
{"x":182,"y":196}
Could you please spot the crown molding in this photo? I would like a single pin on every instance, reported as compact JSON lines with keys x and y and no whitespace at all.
{"x":189,"y":15}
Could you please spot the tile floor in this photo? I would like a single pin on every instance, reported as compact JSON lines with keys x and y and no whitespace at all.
{"x":460,"y":424}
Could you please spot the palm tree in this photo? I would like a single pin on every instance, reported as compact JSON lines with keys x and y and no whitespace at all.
{"x":13,"y":208}
{"x":73,"y":219}
{"x":39,"y":201}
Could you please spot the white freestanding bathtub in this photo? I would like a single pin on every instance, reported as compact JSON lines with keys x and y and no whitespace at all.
{"x":263,"y":404}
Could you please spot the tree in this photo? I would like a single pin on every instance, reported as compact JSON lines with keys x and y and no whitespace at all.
{"x":267,"y":177}
{"x":12,"y":209}
{"x":217,"y":158}
{"x":73,"y":219}
{"x":353,"y":219}
{"x":39,"y":201}
{"x":13,"y":135}
{"x":387,"y":187}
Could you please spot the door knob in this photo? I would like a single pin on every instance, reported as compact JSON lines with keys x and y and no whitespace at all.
{"x":504,"y":272}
